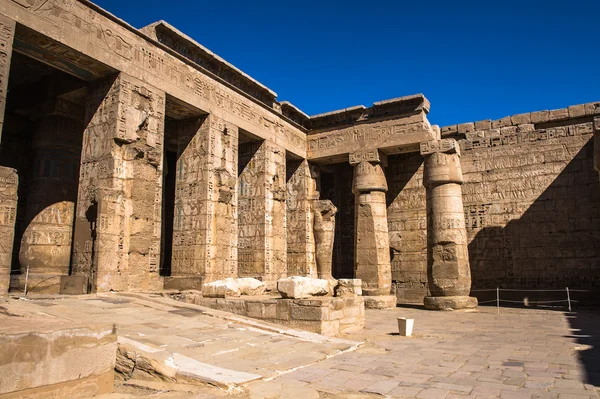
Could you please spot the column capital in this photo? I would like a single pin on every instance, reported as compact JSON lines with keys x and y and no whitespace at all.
{"x":448,"y":146}
{"x":368,"y":155}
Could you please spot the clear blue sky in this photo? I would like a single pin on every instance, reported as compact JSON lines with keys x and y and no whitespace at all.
{"x":473,"y":59}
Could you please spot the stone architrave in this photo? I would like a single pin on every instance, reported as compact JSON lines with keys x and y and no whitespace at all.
{"x":118,"y":214}
{"x":9,"y":182}
{"x":45,"y":251}
{"x":7,"y":34}
{"x":324,"y":231}
{"x":448,"y":269}
{"x":371,"y":240}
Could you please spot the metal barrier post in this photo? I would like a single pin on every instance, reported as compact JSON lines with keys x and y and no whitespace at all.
{"x":498,"y":299}
{"x":26,"y":280}
{"x":569,"y":299}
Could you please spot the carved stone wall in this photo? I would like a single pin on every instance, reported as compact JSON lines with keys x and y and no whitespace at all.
{"x":8,"y":211}
{"x":118,"y":212}
{"x":530,"y":197}
{"x":301,"y":190}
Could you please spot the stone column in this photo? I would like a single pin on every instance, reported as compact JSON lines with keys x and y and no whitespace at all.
{"x":448,"y":270}
{"x":372,"y":246}
{"x":118,"y":213}
{"x":262,"y":212}
{"x":301,"y":191}
{"x":45,"y":249}
{"x":8,"y":210}
{"x":205,"y":214}
{"x":324,"y":231}
{"x":8,"y":176}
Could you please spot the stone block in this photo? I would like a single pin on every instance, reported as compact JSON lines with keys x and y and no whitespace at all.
{"x":504,"y":122}
{"x":221,"y":288}
{"x":380,"y":302}
{"x":346,"y":287}
{"x":235,"y":306}
{"x":449,"y":130}
{"x":73,"y":285}
{"x":466,"y":127}
{"x":284,"y":309}
{"x":302,"y":287}
{"x":558,"y":114}
{"x":255,"y":309}
{"x":251,"y":286}
{"x":540,"y":116}
{"x":312,"y":313}
{"x":183,"y":283}
{"x":483,"y":125}
{"x":576,"y":111}
{"x":592,"y":108}
{"x":46,"y":360}
{"x":520,"y":119}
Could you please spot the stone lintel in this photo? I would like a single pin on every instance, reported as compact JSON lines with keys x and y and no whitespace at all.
{"x":372,"y":155}
{"x":449,"y":146}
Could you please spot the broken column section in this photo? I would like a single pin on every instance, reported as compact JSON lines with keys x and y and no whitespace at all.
{"x":448,"y":270}
{"x":372,"y":244}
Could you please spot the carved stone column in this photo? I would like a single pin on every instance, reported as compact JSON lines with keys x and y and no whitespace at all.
{"x":324,"y":231}
{"x":8,"y":210}
{"x":371,"y":240}
{"x":118,"y":214}
{"x":597,"y":144}
{"x":448,"y":270}
{"x":8,"y":176}
{"x":301,"y":191}
{"x":46,"y":243}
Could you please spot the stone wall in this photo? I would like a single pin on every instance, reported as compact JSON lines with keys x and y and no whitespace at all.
{"x":530,"y":199}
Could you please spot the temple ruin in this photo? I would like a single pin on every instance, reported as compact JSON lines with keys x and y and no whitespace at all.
{"x":136,"y":160}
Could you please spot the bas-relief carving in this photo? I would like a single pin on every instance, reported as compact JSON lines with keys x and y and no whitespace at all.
{"x":7,"y":32}
{"x":118,"y":210}
{"x":404,"y":131}
{"x":324,"y":231}
{"x":8,"y":212}
{"x":73,"y":19}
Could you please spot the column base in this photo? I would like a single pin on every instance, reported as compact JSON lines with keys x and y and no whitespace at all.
{"x":183,"y":283}
{"x":450,"y":302}
{"x":380,"y":302}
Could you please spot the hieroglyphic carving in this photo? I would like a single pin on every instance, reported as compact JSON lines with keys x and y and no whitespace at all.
{"x":7,"y":32}
{"x":117,"y":229}
{"x":8,"y":211}
{"x":114,"y":45}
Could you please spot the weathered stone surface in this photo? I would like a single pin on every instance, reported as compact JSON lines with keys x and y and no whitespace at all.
{"x":8,"y":213}
{"x":182,"y":283}
{"x":251,"y":286}
{"x":372,"y":253}
{"x":221,"y":288}
{"x":302,"y":287}
{"x":348,"y":287}
{"x":448,"y":269}
{"x":73,"y":285}
{"x":301,"y":190}
{"x":324,"y":231}
{"x":450,"y":302}
{"x":380,"y":302}
{"x":76,"y":361}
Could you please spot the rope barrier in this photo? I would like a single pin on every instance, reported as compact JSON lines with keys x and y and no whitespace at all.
{"x":526,"y":301}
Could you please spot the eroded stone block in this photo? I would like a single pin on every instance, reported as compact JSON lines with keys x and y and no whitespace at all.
{"x":221,"y":288}
{"x":302,"y":287}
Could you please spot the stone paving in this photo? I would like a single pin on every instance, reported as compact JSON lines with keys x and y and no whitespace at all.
{"x":520,"y":353}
